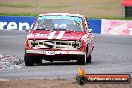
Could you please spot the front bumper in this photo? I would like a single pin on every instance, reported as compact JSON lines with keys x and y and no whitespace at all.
{"x":51,"y":52}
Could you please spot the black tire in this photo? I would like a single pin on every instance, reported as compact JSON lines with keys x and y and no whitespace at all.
{"x":81,"y":61}
{"x":29,"y":61}
{"x":88,"y":60}
{"x":38,"y":61}
{"x":51,"y":60}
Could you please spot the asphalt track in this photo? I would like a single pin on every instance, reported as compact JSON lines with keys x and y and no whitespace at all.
{"x":112,"y":54}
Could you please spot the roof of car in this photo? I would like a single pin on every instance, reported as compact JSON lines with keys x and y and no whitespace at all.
{"x":65,"y":14}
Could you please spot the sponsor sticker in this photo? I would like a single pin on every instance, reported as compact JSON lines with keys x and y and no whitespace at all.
{"x":60,"y":34}
{"x":83,"y":78}
{"x":51,"y":35}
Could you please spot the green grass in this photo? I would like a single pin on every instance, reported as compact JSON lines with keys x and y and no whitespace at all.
{"x":107,"y":9}
{"x":34,"y":14}
{"x":18,"y":14}
{"x":22,"y":5}
{"x":54,"y":6}
{"x":57,"y":7}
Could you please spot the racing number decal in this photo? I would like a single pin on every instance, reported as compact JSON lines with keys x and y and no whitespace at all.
{"x":60,"y":35}
{"x":51,"y":35}
{"x":62,"y":26}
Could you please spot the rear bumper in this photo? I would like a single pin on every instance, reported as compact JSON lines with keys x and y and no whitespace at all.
{"x":43,"y":52}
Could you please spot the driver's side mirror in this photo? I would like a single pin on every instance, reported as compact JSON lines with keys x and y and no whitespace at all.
{"x":89,"y":30}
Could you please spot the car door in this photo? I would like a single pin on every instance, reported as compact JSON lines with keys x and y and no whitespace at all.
{"x":90,"y":36}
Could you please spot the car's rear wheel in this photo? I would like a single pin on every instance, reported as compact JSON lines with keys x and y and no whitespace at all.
{"x":29,"y":61}
{"x":89,"y":58}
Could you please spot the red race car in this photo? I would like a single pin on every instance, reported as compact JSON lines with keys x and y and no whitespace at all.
{"x":59,"y":37}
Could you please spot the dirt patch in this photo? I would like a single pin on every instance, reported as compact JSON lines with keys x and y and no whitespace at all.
{"x":55,"y":84}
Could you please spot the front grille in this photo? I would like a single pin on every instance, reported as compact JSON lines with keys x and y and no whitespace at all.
{"x":54,"y":44}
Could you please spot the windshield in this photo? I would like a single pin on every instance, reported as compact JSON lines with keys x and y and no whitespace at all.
{"x":58,"y":23}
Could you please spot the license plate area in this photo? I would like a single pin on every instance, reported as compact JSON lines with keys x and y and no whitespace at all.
{"x":49,"y":52}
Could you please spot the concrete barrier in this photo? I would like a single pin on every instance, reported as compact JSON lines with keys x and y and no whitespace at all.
{"x":16,"y":22}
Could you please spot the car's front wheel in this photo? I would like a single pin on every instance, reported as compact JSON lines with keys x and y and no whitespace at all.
{"x":37,"y":60}
{"x":29,"y":61}
{"x":82,"y":61}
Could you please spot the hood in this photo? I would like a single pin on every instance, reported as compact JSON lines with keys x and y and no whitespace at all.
{"x":47,"y":34}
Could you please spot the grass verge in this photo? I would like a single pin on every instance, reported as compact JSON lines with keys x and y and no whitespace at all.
{"x":25,"y":5}
{"x":18,"y":14}
{"x":22,"y":5}
{"x":35,"y":14}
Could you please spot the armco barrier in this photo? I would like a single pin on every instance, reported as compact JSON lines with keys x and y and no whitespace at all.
{"x":25,"y":22}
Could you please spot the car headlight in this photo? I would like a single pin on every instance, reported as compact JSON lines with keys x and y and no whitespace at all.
{"x":77,"y":44}
{"x":32,"y":43}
